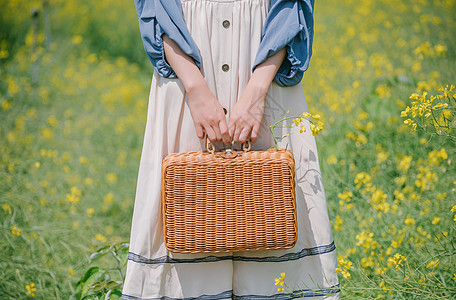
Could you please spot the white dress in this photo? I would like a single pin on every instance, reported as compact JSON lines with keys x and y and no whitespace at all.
{"x":228,"y":34}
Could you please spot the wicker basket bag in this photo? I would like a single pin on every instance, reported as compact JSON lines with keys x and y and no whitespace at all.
{"x":228,"y":201}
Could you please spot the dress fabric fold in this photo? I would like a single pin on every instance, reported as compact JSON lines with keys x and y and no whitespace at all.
{"x":228,"y":34}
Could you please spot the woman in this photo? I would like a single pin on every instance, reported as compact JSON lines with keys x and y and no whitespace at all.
{"x":228,"y":69}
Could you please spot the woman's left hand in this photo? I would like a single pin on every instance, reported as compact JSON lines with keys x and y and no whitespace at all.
{"x":247,"y":113}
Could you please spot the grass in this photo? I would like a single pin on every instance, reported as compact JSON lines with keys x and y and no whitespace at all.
{"x":71,"y":136}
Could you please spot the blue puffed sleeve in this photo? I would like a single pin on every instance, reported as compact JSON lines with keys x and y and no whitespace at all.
{"x":157,"y":17}
{"x":289,"y":24}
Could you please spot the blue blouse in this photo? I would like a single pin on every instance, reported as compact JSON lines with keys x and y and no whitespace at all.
{"x":289,"y":24}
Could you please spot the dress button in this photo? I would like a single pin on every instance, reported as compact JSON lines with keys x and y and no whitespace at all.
{"x":225,"y":68}
{"x":226,"y":24}
{"x":225,"y":111}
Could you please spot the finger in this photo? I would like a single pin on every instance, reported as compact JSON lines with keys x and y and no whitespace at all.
{"x":210,"y":133}
{"x":218,"y":135}
{"x":244,"y":134}
{"x":255,"y":129}
{"x":199,"y":131}
{"x":231,"y":127}
{"x":224,"y":131}
{"x":237,"y":132}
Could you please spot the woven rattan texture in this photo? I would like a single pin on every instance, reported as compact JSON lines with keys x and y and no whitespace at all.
{"x":215,"y":204}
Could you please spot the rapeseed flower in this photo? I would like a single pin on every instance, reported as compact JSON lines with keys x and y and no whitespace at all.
{"x":280,"y":282}
{"x":15,"y":230}
{"x":409,"y":221}
{"x":339,"y":222}
{"x":101,"y":238}
{"x":84,"y":160}
{"x":6,"y":207}
{"x":76,"y":39}
{"x":111,"y":178}
{"x":344,"y":267}
{"x":75,"y":195}
{"x":331,"y":160}
{"x":433,"y":264}
{"x":396,"y":260}
{"x":90,"y":212}
{"x":31,"y":289}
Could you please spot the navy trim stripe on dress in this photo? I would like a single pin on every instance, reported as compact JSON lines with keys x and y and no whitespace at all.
{"x":286,"y":257}
{"x":229,"y":295}
{"x":224,"y":295}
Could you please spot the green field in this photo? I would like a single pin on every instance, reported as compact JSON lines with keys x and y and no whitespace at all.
{"x":74,"y":83}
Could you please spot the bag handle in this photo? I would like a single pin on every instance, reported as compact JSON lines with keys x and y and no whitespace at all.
{"x":246,"y":146}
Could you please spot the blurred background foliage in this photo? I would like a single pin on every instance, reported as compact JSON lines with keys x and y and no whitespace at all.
{"x":74,"y":84}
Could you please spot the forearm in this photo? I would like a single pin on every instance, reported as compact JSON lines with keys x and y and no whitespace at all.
{"x":264,"y":73}
{"x":183,"y":65}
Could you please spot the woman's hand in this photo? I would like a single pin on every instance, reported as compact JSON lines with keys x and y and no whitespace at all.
{"x":207,"y":112}
{"x":248,"y":111}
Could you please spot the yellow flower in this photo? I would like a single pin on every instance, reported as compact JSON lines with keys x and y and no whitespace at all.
{"x":75,"y":225}
{"x":316,"y":128}
{"x":15,"y":230}
{"x":332,"y":160}
{"x":100,"y":237}
{"x":382,"y":156}
{"x":435,"y":220}
{"x":109,"y":198}
{"x":344,"y":267}
{"x":396,"y":260}
{"x":440,"y":50}
{"x":306,"y":115}
{"x":111,"y":178}
{"x":76,"y":39}
{"x":6,"y":104}
{"x":52,"y":121}
{"x":6,"y":207}
{"x":47,"y":133}
{"x":83,"y":160}
{"x":31,"y":289}
{"x":90,"y":212}
{"x":365,"y":240}
{"x":409,"y":221}
{"x":280,"y":282}
{"x":75,"y":196}
{"x":71,"y":271}
{"x":339,"y":222}
{"x":88,"y":181}
{"x":433,"y":264}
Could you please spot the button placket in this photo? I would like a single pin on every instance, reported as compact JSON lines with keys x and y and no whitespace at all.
{"x":226,"y":36}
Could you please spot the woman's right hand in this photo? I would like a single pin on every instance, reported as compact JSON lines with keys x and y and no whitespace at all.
{"x":207,"y":113}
